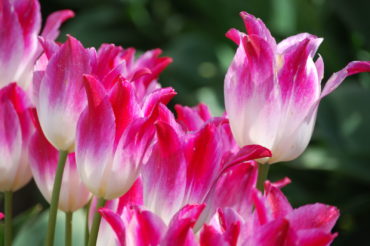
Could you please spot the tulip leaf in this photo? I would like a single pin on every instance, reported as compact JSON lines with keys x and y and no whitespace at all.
{"x":33,"y":231}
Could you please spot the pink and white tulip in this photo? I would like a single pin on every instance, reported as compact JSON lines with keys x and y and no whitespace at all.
{"x":116,"y":118}
{"x":126,"y":222}
{"x":135,"y":226}
{"x":58,"y":90}
{"x":2,"y":216}
{"x":252,"y":219}
{"x":20,"y":24}
{"x":273,"y":222}
{"x":16,"y":129}
{"x":44,"y":161}
{"x":143,"y":72}
{"x":272,"y":91}
{"x":192,"y":167}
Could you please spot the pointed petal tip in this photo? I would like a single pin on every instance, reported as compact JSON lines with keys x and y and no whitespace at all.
{"x":244,"y":15}
{"x":358,"y":67}
{"x":94,"y":90}
{"x":234,"y":35}
{"x":337,"y":78}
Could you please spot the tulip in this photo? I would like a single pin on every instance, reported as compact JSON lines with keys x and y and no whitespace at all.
{"x":251,"y":219}
{"x":19,"y":48}
{"x":1,"y":216}
{"x":272,"y":91}
{"x":43,"y":161}
{"x":114,"y":117}
{"x":193,"y":167}
{"x":58,"y":92}
{"x":44,"y":165}
{"x":135,"y":226}
{"x":273,"y":222}
{"x":59,"y":99}
{"x":143,"y":72}
{"x":15,"y":131}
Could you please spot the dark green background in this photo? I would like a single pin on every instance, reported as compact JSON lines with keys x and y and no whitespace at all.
{"x":335,"y":169}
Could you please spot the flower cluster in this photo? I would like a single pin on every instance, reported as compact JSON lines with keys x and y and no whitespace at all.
{"x":157,"y":178}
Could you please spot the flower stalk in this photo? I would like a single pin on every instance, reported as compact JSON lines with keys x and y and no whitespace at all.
{"x":8,"y":230}
{"x":263,"y":170}
{"x":96,"y":223}
{"x":87,"y":208}
{"x":68,"y":228}
{"x":55,"y":198}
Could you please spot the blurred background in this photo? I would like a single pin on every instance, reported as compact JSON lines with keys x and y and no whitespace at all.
{"x":335,"y":169}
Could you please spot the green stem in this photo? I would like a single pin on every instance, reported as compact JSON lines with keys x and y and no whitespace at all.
{"x":55,"y":198}
{"x":96,"y":223}
{"x":8,"y":218}
{"x":69,"y":217}
{"x":87,"y":208}
{"x":263,"y":170}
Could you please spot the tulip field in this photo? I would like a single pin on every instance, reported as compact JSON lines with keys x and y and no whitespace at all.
{"x":195,"y":123}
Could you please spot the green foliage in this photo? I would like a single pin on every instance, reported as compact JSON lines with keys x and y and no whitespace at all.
{"x":34,"y":230}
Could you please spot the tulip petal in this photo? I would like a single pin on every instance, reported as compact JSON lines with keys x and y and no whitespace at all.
{"x":274,"y":233}
{"x":180,"y":228}
{"x":292,"y":41}
{"x":315,"y":216}
{"x":53,"y":23}
{"x":298,"y":77}
{"x":225,"y":229}
{"x":250,"y":87}
{"x":315,"y":238}
{"x":12,"y":46}
{"x":95,"y":126}
{"x":239,"y":180}
{"x":203,"y":153}
{"x":29,"y":10}
{"x":11,"y":142}
{"x":164,"y":175}
{"x":209,"y":236}
{"x":162,"y":95}
{"x":50,"y":47}
{"x":116,"y":224}
{"x":192,"y":119}
{"x":277,"y":203}
{"x":153,"y":62}
{"x":247,"y":153}
{"x":131,"y":154}
{"x":337,"y":78}
{"x":61,"y":93}
{"x":125,"y":106}
{"x":235,"y":35}
{"x":44,"y":162}
{"x":134,"y":196}
{"x":108,"y":58}
{"x":255,"y":26}
{"x":150,"y":228}
{"x":300,"y":89}
{"x":73,"y":194}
